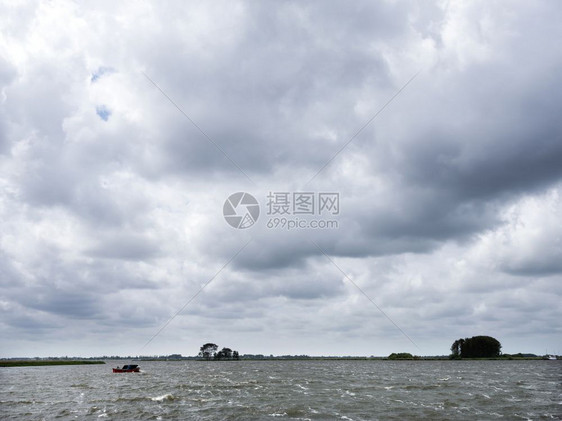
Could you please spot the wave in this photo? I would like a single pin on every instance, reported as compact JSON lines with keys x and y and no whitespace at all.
{"x":166,"y":397}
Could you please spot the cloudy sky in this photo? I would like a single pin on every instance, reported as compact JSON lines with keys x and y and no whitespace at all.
{"x":124,"y":127}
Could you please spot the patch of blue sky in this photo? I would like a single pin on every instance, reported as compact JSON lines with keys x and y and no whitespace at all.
{"x":103,"y":70}
{"x":103,"y":112}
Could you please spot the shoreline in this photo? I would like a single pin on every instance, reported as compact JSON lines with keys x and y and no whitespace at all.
{"x":348,"y":359}
{"x":37,"y":363}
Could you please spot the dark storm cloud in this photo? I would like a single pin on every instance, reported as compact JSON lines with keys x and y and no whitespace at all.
{"x":447,"y":179}
{"x":56,"y":289}
{"x":452,"y":185}
{"x":76,"y":289}
{"x":539,"y":267}
{"x":275,"y":251}
{"x":262,"y":96}
{"x":62,"y":302}
{"x":508,"y":145}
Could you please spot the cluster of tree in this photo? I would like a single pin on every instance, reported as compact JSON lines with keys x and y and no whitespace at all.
{"x":402,"y":356}
{"x":476,"y":347}
{"x":209,"y":351}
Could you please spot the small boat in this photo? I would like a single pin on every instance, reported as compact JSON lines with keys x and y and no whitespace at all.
{"x":551,"y":357}
{"x":131,"y":368}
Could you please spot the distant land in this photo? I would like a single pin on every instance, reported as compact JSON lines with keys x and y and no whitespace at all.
{"x":391,"y":357}
{"x":39,"y":361}
{"x":42,"y":362}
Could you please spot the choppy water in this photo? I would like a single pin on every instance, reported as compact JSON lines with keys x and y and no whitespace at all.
{"x":348,"y":390}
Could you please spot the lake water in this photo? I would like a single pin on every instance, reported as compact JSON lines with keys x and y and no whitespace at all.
{"x":242,"y":390}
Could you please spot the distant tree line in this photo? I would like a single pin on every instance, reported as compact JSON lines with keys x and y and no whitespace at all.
{"x":209,"y":352}
{"x":476,"y":347}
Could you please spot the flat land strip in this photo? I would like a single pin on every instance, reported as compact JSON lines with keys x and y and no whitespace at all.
{"x":31,"y":363}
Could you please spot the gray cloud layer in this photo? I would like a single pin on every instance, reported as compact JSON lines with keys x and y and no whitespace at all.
{"x":111,"y":199}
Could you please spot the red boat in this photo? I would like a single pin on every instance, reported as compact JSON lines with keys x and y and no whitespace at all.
{"x":127,"y":369}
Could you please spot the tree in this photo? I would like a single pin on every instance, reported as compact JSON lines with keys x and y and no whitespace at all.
{"x":476,"y":347}
{"x":224,"y":354}
{"x":456,"y":348}
{"x":208,"y":350}
{"x":481,"y":347}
